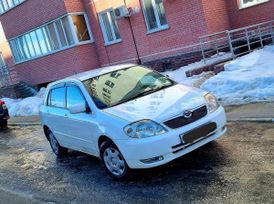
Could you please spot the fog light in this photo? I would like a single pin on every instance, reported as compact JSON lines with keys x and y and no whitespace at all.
{"x":152,"y":160}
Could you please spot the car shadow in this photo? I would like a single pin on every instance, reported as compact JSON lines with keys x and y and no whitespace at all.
{"x":204,"y":160}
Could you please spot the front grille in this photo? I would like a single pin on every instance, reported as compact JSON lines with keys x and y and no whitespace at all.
{"x":182,"y":121}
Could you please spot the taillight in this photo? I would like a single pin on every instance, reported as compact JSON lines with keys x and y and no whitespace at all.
{"x":2,"y":102}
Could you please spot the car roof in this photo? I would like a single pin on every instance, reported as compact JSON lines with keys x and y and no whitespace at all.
{"x":90,"y":74}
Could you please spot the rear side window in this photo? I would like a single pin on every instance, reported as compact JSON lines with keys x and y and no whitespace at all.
{"x":74,"y":96}
{"x":57,"y":98}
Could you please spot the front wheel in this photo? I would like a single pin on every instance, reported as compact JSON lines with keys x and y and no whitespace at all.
{"x":113,"y":161}
{"x":55,"y":146}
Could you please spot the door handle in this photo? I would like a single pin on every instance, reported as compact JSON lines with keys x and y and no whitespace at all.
{"x":66,"y":115}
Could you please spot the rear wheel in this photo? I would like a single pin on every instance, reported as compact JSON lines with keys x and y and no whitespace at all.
{"x":113,"y":161}
{"x":55,"y":146}
{"x":4,"y":124}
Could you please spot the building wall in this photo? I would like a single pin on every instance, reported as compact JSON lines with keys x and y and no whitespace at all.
{"x":187,"y":21}
{"x":59,"y":65}
{"x":30,"y":14}
{"x":216,"y":15}
{"x":123,"y":51}
{"x":251,"y":15}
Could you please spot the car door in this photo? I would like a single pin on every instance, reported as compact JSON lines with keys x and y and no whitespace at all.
{"x":56,"y":113}
{"x":82,"y":126}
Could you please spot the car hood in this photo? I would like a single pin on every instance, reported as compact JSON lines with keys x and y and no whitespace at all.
{"x":161,"y":105}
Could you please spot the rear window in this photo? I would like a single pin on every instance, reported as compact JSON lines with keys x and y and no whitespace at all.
{"x":57,"y":97}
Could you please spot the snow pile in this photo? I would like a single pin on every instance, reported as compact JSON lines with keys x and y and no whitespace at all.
{"x":245,"y":80}
{"x":25,"y":107}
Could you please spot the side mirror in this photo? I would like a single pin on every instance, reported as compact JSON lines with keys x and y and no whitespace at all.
{"x":77,"y":108}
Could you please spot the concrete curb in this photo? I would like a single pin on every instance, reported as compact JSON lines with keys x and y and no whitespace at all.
{"x":257,"y":120}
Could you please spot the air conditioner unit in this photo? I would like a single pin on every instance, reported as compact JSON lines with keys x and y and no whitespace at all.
{"x":121,"y":11}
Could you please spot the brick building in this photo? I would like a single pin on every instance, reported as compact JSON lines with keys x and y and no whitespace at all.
{"x":49,"y":40}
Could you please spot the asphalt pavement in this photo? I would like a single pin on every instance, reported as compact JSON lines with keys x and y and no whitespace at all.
{"x":237,"y":168}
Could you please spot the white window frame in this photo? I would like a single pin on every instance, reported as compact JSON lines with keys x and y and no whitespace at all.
{"x":9,"y":7}
{"x":249,"y":4}
{"x":17,"y":59}
{"x":103,"y":28}
{"x":159,"y":26}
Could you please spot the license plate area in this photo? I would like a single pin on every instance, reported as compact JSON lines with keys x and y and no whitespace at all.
{"x":198,"y":133}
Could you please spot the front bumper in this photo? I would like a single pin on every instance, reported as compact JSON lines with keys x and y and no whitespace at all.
{"x":169,"y":146}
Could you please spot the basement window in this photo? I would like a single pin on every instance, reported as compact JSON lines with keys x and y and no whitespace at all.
{"x":59,"y":34}
{"x":155,"y":16}
{"x":248,"y":3}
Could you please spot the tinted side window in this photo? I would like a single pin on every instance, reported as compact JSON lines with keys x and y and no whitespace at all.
{"x":57,"y":97}
{"x":74,"y":96}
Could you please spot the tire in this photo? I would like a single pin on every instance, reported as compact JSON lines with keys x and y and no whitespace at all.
{"x":4,"y":124}
{"x":113,"y":161}
{"x":58,"y":150}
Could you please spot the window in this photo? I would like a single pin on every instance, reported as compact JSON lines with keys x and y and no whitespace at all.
{"x":74,"y":96}
{"x":248,"y":3}
{"x":155,"y":17}
{"x":6,"y":5}
{"x":109,"y":27}
{"x":60,"y":34}
{"x":80,"y":27}
{"x":57,"y":97}
{"x":3,"y":66}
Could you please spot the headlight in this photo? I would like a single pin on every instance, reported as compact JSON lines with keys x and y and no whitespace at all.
{"x":212,"y":102}
{"x":143,"y":129}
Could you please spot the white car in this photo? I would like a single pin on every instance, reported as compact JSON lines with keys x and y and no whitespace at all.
{"x":130,"y":116}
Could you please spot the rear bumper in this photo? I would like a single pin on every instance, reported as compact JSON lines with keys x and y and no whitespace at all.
{"x":169,"y":145}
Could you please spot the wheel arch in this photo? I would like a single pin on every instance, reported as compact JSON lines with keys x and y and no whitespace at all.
{"x":102,"y":139}
{"x":46,"y":128}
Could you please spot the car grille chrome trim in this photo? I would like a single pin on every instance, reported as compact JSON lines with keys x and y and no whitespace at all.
{"x":181,"y":121}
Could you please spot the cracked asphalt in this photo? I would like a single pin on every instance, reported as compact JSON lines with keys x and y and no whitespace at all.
{"x":237,"y":168}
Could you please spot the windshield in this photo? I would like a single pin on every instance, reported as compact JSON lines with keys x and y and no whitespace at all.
{"x":123,"y":85}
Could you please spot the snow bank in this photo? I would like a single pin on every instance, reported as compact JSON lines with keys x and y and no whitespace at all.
{"x":25,"y":107}
{"x":245,"y":80}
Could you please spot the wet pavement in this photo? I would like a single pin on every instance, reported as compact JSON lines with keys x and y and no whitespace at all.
{"x":237,"y":168}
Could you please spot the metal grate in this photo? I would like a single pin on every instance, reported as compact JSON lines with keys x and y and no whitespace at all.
{"x":182,"y":121}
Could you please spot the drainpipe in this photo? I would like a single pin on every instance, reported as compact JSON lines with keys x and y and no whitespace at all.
{"x":133,"y":37}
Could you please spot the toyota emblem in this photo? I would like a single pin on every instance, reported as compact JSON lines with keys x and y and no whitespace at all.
{"x":187,"y":114}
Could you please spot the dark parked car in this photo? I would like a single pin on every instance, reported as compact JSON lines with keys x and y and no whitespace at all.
{"x":4,"y":115}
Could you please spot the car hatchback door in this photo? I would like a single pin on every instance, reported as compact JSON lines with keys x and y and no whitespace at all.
{"x":81,"y":125}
